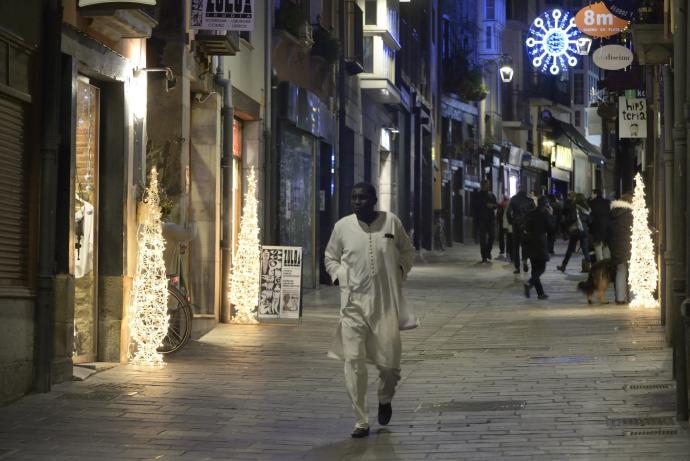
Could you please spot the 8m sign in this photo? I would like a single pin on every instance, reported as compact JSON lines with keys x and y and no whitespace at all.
{"x":222,"y":15}
{"x":597,"y":21}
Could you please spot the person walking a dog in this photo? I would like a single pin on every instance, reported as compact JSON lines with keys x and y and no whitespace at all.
{"x":540,"y":222}
{"x":369,"y":255}
{"x":620,"y":230}
{"x":601,"y":209}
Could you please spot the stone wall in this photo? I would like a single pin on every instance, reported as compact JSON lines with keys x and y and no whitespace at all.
{"x":16,"y":348}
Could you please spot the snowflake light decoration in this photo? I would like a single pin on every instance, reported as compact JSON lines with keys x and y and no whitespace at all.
{"x":552,"y":41}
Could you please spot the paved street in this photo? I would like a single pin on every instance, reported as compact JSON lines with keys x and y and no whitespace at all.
{"x":489,"y":375}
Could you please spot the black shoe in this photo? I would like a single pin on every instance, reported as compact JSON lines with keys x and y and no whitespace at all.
{"x":516,"y":271}
{"x":527,"y":288}
{"x":621,"y":303}
{"x":484,"y":260}
{"x":385,"y":413}
{"x":543,"y":296}
{"x":360,"y":432}
{"x":525,"y":267}
{"x":561,"y":268}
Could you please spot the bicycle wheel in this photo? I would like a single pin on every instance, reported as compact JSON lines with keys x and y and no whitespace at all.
{"x":180,"y":326}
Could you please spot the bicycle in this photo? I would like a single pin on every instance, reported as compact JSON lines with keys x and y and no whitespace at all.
{"x":180,"y":321}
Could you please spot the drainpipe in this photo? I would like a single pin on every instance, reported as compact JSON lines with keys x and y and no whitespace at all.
{"x":679,"y":164}
{"x":50,"y":137}
{"x":226,"y":115}
{"x":268,"y":157}
{"x":685,"y":49}
{"x":667,"y":208}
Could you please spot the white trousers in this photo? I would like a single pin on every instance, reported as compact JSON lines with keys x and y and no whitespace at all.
{"x":601,"y":251}
{"x":622,"y":282}
{"x":356,"y":384}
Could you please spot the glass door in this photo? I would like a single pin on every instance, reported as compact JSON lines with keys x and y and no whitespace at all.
{"x":85,"y":220}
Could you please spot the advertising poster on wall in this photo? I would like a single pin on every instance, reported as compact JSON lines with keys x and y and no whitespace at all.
{"x":280,"y":295}
{"x":222,"y":15}
{"x":632,"y":117}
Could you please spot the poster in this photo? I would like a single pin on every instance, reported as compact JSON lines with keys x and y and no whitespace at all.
{"x":222,"y":15}
{"x":632,"y":117}
{"x":280,"y":294}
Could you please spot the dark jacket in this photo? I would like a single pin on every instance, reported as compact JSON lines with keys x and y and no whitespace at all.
{"x":601,"y":209}
{"x":484,"y":212}
{"x":619,"y":231}
{"x":518,"y":209}
{"x":539,"y":223}
{"x":572,"y":211}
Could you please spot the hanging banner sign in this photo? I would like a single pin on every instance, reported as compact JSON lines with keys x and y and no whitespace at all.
{"x":597,"y":21}
{"x":613,"y":57}
{"x":280,"y":293}
{"x":632,"y":117}
{"x":624,"y":9}
{"x":222,"y":15}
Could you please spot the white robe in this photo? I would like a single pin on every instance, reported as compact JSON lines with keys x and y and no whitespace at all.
{"x":370,"y":262}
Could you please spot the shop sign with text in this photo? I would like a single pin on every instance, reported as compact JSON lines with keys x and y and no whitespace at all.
{"x":119,"y":3}
{"x":597,"y":21}
{"x":222,"y":15}
{"x":632,"y":117}
{"x":622,"y":8}
{"x":613,"y":57}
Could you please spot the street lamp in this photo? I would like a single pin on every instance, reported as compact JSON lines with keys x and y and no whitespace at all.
{"x":505,"y":68}
{"x":583,"y":45}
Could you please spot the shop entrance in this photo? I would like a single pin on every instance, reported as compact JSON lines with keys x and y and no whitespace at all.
{"x":84,"y":221}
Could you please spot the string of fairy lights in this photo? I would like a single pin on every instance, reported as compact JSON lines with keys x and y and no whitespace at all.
{"x":642,"y":272}
{"x":246,"y":264}
{"x":148,"y":314}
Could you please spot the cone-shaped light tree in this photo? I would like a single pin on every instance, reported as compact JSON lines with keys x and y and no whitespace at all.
{"x":148,"y":313}
{"x":642,"y":272}
{"x":246,"y":268}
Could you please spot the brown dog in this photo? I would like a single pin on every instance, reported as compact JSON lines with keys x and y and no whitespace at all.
{"x":601,"y":274}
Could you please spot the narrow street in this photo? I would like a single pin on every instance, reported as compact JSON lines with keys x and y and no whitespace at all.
{"x":489,"y":375}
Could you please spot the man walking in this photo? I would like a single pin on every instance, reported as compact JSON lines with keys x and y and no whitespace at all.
{"x":518,"y":209}
{"x":486,"y":220}
{"x":601,"y":208}
{"x":368,"y":256}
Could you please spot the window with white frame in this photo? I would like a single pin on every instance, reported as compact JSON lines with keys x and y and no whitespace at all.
{"x":490,"y":10}
{"x":488,"y":38}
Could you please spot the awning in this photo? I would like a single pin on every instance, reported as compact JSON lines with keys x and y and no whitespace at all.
{"x":572,"y":133}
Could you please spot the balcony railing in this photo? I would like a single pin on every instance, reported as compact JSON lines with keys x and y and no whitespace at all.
{"x":547,"y":87}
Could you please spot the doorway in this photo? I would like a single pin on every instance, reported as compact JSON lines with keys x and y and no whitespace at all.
{"x":85,"y":218}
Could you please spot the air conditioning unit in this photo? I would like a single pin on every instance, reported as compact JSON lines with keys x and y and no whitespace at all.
{"x":217,"y":43}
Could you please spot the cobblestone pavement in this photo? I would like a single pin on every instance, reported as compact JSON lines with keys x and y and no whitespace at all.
{"x":489,"y":375}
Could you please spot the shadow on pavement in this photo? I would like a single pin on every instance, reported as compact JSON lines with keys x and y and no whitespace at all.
{"x":379,"y":445}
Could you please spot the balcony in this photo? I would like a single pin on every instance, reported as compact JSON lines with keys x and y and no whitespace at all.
{"x":546,"y":90}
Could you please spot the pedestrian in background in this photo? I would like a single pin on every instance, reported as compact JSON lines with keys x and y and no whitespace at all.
{"x":601,"y":210}
{"x":619,"y":235}
{"x":556,"y":210}
{"x":368,"y":256}
{"x":539,"y":223}
{"x":519,"y":207}
{"x":577,"y":219}
{"x":486,"y":219}
{"x":504,"y":229}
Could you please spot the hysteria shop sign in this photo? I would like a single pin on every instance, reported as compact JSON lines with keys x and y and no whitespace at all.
{"x":613,"y":57}
{"x":119,"y":3}
{"x":280,"y":293}
{"x":597,"y":21}
{"x":632,"y":117}
{"x":552,"y":41}
{"x":222,"y":15}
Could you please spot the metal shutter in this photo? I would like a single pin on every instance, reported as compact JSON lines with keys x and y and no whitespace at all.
{"x":13,"y":174}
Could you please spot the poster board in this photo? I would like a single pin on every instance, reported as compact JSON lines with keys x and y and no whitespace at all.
{"x":280,"y":291}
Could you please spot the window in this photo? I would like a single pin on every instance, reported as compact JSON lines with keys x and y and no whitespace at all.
{"x":488,"y":38}
{"x":368,"y":55}
{"x":370,"y":13}
{"x":491,"y":10}
{"x":578,"y":118}
{"x":578,"y":88}
{"x":445,"y":40}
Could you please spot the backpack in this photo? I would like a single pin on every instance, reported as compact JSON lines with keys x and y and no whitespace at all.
{"x":521,"y":215}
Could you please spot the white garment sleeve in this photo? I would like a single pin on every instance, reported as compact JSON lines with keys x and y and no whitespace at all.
{"x":405,"y":247}
{"x":333,"y":254}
